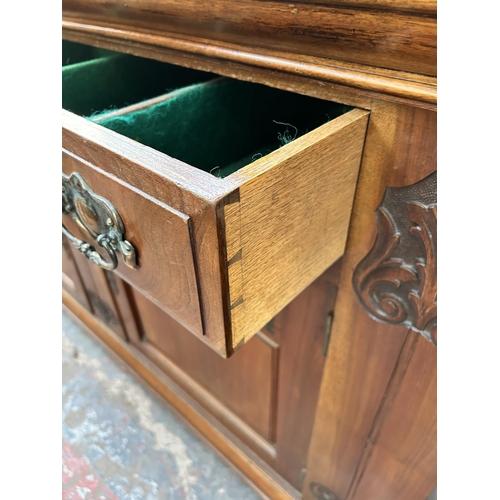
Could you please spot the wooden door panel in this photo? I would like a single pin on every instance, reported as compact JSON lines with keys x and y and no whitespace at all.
{"x":243,"y":383}
{"x":101,"y":297}
{"x":71,"y":280}
{"x":303,"y":327}
{"x":266,"y":393}
{"x":364,"y":354}
{"x":402,"y":456}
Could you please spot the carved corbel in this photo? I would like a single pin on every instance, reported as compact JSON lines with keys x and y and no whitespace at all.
{"x":396,"y":281}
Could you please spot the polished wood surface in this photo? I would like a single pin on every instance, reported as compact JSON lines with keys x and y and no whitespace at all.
{"x":303,"y":329}
{"x":101,"y":298}
{"x":268,"y":416}
{"x":388,"y":39}
{"x":401,"y":460}
{"x":169,"y":182}
{"x":419,"y":6}
{"x":71,"y":279}
{"x":244,"y":382}
{"x":317,"y":77}
{"x":400,"y":150}
{"x":360,"y":423}
{"x":162,"y":237}
{"x":396,"y":281}
{"x":217,"y":406}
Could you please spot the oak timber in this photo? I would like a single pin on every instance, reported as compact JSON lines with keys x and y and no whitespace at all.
{"x":286,"y":215}
{"x":291,"y":220}
{"x":374,"y":432}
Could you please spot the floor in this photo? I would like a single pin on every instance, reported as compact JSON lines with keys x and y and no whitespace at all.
{"x":121,"y":443}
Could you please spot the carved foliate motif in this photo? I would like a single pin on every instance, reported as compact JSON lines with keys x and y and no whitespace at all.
{"x":396,"y":281}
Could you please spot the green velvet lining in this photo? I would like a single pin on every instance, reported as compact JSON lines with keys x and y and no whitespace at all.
{"x":73,"y":52}
{"x":220,"y":127}
{"x":94,"y":86}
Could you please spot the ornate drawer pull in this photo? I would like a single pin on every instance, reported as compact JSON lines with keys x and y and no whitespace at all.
{"x":97,"y":217}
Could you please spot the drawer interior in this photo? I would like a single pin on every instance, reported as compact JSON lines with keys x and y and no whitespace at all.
{"x":73,"y":53}
{"x":222,"y":126}
{"x":96,"y":86}
{"x":217,"y":125}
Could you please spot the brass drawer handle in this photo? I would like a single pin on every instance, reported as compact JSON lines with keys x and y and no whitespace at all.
{"x":97,"y":217}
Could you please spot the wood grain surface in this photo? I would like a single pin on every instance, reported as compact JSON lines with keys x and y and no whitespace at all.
{"x":101,"y":298}
{"x":400,"y":150}
{"x":360,"y":423}
{"x":286,"y":215}
{"x":291,"y":221}
{"x":418,"y":6}
{"x":302,"y":332}
{"x":243,"y":383}
{"x":401,"y":461}
{"x":388,"y":39}
{"x":71,"y":279}
{"x":332,"y":79}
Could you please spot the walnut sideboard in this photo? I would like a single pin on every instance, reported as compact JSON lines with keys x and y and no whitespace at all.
{"x":249,"y":222}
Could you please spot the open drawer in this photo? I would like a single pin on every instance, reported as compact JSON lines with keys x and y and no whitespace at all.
{"x":225,"y":198}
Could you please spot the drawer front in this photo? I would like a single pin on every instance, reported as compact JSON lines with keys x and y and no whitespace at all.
{"x":160,"y":235}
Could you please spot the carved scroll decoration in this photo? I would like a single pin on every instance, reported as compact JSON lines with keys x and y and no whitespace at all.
{"x":396,"y":281}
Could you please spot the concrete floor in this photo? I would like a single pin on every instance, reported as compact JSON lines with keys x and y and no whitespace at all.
{"x":120,"y":443}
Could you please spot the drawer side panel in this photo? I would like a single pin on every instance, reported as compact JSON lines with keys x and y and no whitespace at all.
{"x":293,"y":219}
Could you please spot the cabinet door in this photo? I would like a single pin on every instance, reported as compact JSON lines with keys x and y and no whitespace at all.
{"x":266,"y":393}
{"x":375,"y":428}
{"x":102,"y":290}
{"x":71,"y":280}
